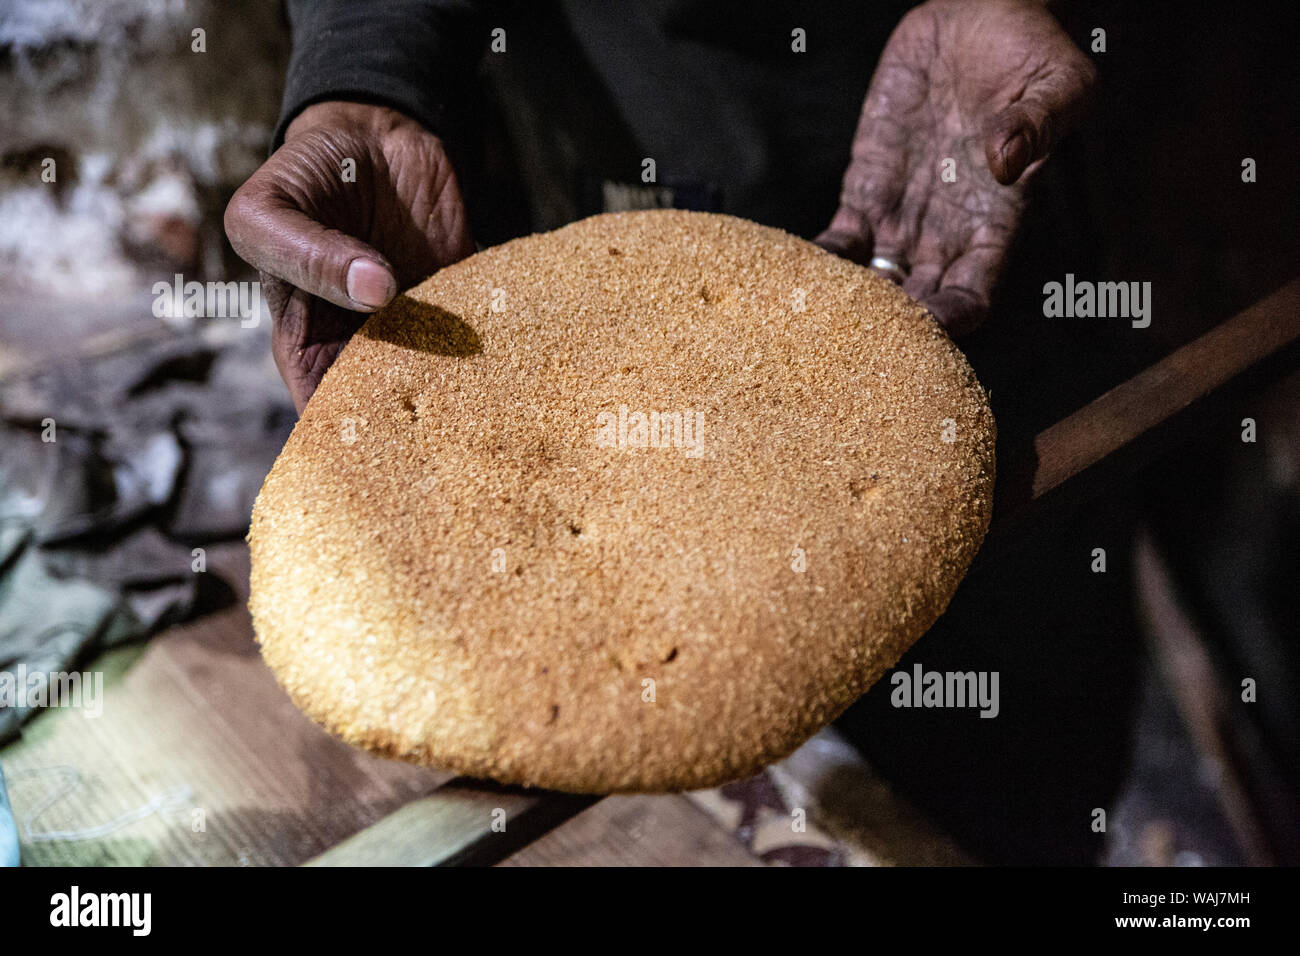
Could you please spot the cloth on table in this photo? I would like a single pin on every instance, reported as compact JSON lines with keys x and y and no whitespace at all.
{"x":113,"y":468}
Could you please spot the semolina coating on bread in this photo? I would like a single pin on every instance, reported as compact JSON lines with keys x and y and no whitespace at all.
{"x":467,"y":556}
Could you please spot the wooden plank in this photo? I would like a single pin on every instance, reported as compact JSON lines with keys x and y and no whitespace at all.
{"x":850,"y":802}
{"x":1129,"y":425}
{"x":464,"y":821}
{"x":1182,"y":656}
{"x":448,"y":828}
{"x":658,"y":830}
{"x":1190,"y":373}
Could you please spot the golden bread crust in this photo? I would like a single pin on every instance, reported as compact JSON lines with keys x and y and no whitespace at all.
{"x":448,"y":565}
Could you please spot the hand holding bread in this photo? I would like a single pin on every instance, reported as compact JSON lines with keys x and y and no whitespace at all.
{"x":359,"y":202}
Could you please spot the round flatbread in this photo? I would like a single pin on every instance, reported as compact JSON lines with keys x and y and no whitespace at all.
{"x":636,"y":505}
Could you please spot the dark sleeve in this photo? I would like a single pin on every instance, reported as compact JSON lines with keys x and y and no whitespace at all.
{"x":417,"y":56}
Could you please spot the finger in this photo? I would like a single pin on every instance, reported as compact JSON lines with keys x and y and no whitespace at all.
{"x":960,"y":311}
{"x":447,"y":229}
{"x":923,"y":280}
{"x":270,"y":233}
{"x":276,"y":292}
{"x":428,"y":223}
{"x":896,"y":241}
{"x":961,"y":302}
{"x":874,"y":180}
{"x":306,"y":339}
{"x":1027,"y":130}
{"x":848,"y":236}
{"x":289,"y":307}
{"x":307,"y":334}
{"x":846,"y":245}
{"x":922,"y":251}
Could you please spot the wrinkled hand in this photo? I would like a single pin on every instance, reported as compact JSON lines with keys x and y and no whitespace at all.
{"x":331,"y":250}
{"x":991,"y":84}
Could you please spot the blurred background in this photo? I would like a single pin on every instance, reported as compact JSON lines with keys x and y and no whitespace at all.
{"x":167,"y":424}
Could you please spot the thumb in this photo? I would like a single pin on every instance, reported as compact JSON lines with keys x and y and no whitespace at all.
{"x":1027,"y":130}
{"x":276,"y":237}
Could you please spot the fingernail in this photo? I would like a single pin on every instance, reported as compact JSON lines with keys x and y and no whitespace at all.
{"x":370,"y":284}
{"x":1016,"y":153}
